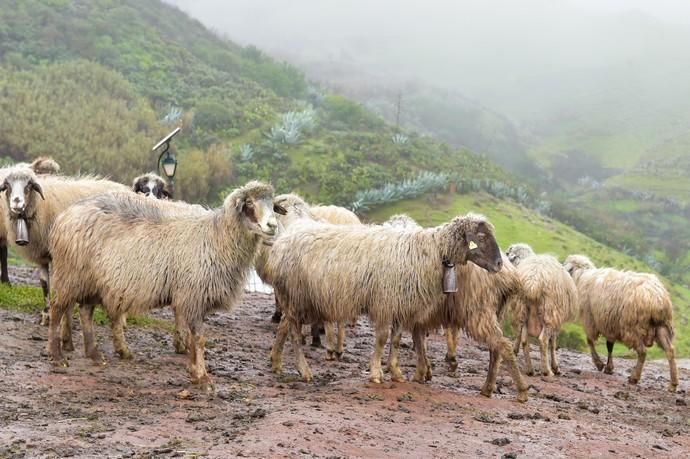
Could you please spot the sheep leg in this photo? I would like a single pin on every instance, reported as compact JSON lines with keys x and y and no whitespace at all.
{"x":609,"y":361}
{"x":663,"y":339}
{"x":554,"y":361}
{"x":595,"y":357}
{"x":330,"y":340}
{"x":544,"y":338}
{"x":376,"y":375}
{"x":181,"y":333}
{"x":66,"y":331}
{"x":452,"y":345}
{"x":277,"y":313}
{"x":117,"y":327}
{"x":340,"y":345}
{"x":278,"y":345}
{"x":525,"y":350}
{"x":57,"y":310}
{"x":637,"y":371}
{"x":296,"y":338}
{"x":45,"y":287}
{"x":316,"y":334}
{"x":423,"y":372}
{"x":490,"y":384}
{"x":197,"y":365}
{"x":518,"y":341}
{"x":393,"y":363}
{"x":90,"y":349}
{"x":5,"y":276}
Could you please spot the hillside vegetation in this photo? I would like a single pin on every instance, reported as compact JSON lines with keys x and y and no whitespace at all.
{"x":151,"y":67}
{"x":515,"y":223}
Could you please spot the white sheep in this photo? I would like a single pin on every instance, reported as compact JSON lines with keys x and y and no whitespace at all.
{"x":626,"y":306}
{"x":548,"y":299}
{"x":336,"y":273}
{"x":202,"y":262}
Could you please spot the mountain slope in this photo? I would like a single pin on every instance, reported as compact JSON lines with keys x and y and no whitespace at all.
{"x":244,"y":115}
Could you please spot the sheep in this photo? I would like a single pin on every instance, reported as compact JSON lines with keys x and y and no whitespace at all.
{"x":168,"y":210}
{"x":22,"y":189}
{"x":41,"y":166}
{"x":477,"y":307}
{"x":202,"y":261}
{"x":626,"y":306}
{"x":548,"y":299}
{"x":151,"y":185}
{"x":336,"y":273}
{"x":299,"y":210}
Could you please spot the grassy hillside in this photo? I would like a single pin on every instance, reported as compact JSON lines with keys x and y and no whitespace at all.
{"x":515,"y":223}
{"x":244,"y":115}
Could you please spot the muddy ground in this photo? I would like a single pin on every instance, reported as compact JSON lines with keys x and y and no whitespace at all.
{"x":145,"y":407}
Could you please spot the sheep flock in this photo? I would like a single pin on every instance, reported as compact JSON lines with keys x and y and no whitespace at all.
{"x":88,"y":236}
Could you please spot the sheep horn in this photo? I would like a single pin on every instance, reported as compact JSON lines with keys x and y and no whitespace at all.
{"x":37,"y":188}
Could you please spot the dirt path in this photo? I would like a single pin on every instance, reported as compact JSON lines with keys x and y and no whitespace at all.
{"x":139,"y":408}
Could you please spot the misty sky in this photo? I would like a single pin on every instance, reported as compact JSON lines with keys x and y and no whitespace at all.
{"x":523,"y":58}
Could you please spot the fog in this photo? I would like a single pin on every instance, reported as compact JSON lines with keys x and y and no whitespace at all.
{"x":505,"y":54}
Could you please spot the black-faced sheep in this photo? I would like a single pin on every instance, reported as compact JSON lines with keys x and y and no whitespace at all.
{"x":633,"y":308}
{"x":336,"y":273}
{"x":151,"y":185}
{"x":202,"y":261}
{"x":548,"y":299}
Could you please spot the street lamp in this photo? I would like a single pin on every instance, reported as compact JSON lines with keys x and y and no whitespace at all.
{"x":167,"y":160}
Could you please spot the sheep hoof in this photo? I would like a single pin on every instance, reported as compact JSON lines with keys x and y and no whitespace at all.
{"x":275,"y":318}
{"x":672,"y":387}
{"x":608,"y":370}
{"x":276,"y":366}
{"x":180,"y":349}
{"x":45,"y":319}
{"x":375,"y":379}
{"x":522,"y":397}
{"x":98,"y":359}
{"x":529,"y":372}
{"x":556,"y":371}
{"x":486,"y":392}
{"x":307,"y":377}
{"x":599,"y":365}
{"x":316,"y":341}
{"x":338,"y":355}
{"x":125,"y":354}
{"x":59,"y":362}
{"x":397,"y":377}
{"x":419,"y":378}
{"x":330,"y":355}
{"x":547,"y":374}
{"x":427,"y":376}
{"x":68,"y":346}
{"x":633,"y":380}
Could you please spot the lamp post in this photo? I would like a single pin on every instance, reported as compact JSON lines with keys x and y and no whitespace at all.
{"x":167,"y":160}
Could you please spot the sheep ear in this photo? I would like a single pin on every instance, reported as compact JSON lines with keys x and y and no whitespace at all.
{"x":37,"y":188}
{"x":277,"y":208}
{"x":166,"y":194}
{"x":4,"y":186}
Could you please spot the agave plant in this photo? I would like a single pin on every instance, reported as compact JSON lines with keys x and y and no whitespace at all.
{"x":173,"y":115}
{"x":391,"y":192}
{"x":246,"y":152}
{"x":399,"y":139}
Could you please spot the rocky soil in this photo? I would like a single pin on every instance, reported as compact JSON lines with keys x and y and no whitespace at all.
{"x":146,"y":408}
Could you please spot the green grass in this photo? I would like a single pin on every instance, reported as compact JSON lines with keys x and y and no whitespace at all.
{"x":515,"y":223}
{"x":29,"y":300}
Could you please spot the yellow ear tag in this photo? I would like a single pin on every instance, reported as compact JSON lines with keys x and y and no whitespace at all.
{"x":473,"y":245}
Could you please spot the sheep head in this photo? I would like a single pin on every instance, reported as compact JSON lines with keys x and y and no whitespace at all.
{"x":290,"y":208}
{"x":577,"y":263}
{"x":471,"y":238}
{"x":402,"y":221}
{"x":518,"y":252}
{"x":45,"y":165}
{"x":253,"y":204}
{"x":150,"y":185}
{"x":19,"y":186}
